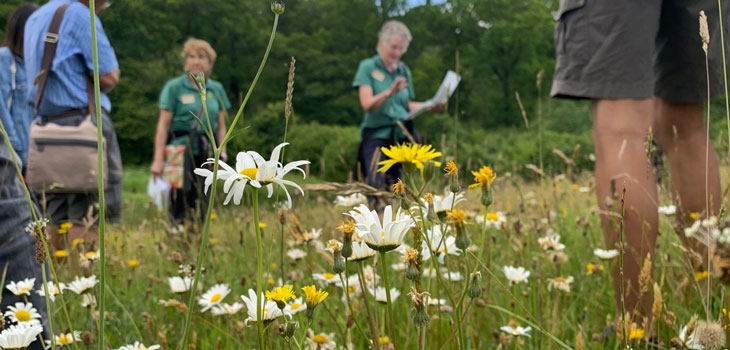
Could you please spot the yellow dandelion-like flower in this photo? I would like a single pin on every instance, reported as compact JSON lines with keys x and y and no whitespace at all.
{"x":60,"y":253}
{"x":347,"y":227}
{"x":399,"y":188}
{"x":213,"y":216}
{"x":214,"y":241}
{"x":451,"y":169}
{"x":428,"y":198}
{"x":636,"y":333}
{"x":76,"y":242}
{"x":699,"y":276}
{"x":410,"y":155}
{"x":593,"y":268}
{"x":384,"y":340}
{"x":694,"y":215}
{"x":262,"y":225}
{"x":132,"y":263}
{"x":457,"y":216}
{"x":281,"y":295}
{"x":484,"y":177}
{"x":313,"y":296}
{"x":64,"y":227}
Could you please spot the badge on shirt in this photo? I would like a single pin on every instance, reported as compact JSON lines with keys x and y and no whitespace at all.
{"x":187,"y":99}
{"x":378,"y":75}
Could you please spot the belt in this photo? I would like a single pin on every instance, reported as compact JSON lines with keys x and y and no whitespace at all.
{"x":69,"y":113}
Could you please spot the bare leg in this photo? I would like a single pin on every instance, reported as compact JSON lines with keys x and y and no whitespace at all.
{"x":694,"y":172}
{"x":620,"y":128}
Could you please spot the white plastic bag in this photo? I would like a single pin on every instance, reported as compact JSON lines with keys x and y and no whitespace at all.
{"x":159,"y":190}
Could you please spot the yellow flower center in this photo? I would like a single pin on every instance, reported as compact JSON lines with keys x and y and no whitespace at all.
{"x":295,"y":306}
{"x":382,"y":234}
{"x":492,"y":216}
{"x":329,"y":276}
{"x":64,"y":340}
{"x":215,"y":297}
{"x":22,"y":315}
{"x":320,"y":338}
{"x":249,"y":172}
{"x":384,"y":340}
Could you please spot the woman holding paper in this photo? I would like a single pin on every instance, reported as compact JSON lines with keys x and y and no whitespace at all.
{"x":387,"y":97}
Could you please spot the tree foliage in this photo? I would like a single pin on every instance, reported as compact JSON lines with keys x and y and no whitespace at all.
{"x":498,"y":46}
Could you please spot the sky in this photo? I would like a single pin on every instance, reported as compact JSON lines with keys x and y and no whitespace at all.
{"x":414,"y":3}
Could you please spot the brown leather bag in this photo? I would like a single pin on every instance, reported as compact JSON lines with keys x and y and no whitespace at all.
{"x":63,"y":154}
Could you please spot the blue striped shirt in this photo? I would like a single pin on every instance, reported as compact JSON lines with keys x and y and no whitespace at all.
{"x":72,"y":63}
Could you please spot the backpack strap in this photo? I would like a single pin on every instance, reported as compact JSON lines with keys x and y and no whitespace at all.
{"x":49,"y":50}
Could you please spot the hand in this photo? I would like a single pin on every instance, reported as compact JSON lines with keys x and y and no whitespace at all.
{"x":438,"y":107}
{"x":398,"y":85}
{"x":156,"y":168}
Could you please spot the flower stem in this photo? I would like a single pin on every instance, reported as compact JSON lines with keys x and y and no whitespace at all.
{"x":371,"y":320}
{"x":259,"y":268}
{"x":391,"y":323}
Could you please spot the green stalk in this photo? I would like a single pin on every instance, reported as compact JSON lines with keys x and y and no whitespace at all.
{"x":391,"y":322}
{"x":100,"y":176}
{"x":259,"y":268}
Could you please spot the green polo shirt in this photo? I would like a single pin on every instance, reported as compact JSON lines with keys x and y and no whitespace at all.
{"x":372,"y":72}
{"x":183,"y":99}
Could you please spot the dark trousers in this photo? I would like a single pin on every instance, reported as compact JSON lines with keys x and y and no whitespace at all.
{"x":191,"y":197}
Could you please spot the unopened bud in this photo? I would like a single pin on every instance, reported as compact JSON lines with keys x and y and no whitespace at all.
{"x":346,"y":247}
{"x":338,"y":266}
{"x":487,"y":198}
{"x":278,"y":7}
{"x":462,"y":239}
{"x":420,"y":317}
{"x":475,"y":290}
{"x":412,"y":273}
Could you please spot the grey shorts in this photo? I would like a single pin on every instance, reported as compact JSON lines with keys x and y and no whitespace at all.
{"x":636,"y":50}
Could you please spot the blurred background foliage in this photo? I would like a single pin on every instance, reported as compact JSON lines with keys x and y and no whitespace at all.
{"x":498,"y":46}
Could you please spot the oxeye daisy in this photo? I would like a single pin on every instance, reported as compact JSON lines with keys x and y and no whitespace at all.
{"x":226,"y":309}
{"x":361,"y":251}
{"x":139,"y":346}
{"x":516,"y":274}
{"x":439,"y":244}
{"x":21,"y":287}
{"x":606,"y":254}
{"x":327,"y":278}
{"x":179,"y":284}
{"x":551,"y":243}
{"x":297,"y":305}
{"x":514,"y":329}
{"x":320,"y":341}
{"x":384,"y":236}
{"x":411,"y":156}
{"x":296,"y":254}
{"x":82,"y":285}
{"x":64,"y":339}
{"x":495,"y":219}
{"x":19,"y":336}
{"x":23,"y":313}
{"x":380,"y":294}
{"x":252,"y":169}
{"x":53,"y":290}
{"x":213,"y":296}
{"x":351,"y":200}
{"x":560,"y":283}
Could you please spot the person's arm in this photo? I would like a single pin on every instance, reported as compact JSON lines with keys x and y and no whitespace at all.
{"x":163,"y":128}
{"x":108,"y":81}
{"x":221,"y":133}
{"x":371,"y":103}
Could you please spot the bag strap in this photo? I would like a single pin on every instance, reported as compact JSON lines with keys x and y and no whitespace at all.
{"x":49,"y":50}
{"x":13,"y":70}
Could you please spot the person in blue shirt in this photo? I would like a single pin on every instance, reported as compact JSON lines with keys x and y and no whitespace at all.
{"x":65,"y":100}
{"x":15,"y":112}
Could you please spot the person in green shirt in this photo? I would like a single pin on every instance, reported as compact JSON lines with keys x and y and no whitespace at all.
{"x":386,"y":95}
{"x":180,"y":103}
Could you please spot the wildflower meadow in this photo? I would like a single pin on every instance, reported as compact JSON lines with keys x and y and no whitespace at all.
{"x":453,"y":256}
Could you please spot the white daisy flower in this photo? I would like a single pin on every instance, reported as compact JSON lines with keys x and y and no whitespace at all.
{"x":311,"y":234}
{"x":19,"y":336}
{"x":494,"y":219}
{"x":23,"y":313}
{"x":433,"y":301}
{"x":226,"y":309}
{"x":516,"y":274}
{"x":64,"y":339}
{"x":386,"y":236}
{"x":448,"y":202}
{"x":399,"y":266}
{"x":667,"y":210}
{"x":297,"y":305}
{"x":516,"y":330}
{"x":88,"y":300}
{"x":380,"y":294}
{"x":326,"y":278}
{"x":361,"y":251}
{"x":21,"y":287}
{"x":551,"y":243}
{"x":82,"y":285}
{"x":606,"y":254}
{"x":139,"y":346}
{"x":53,"y":290}
{"x":560,"y":283}
{"x":689,"y":339}
{"x":320,"y":341}
{"x":213,"y":296}
{"x":453,"y":276}
{"x":179,"y":284}
{"x":296,"y":254}
{"x":351,"y":200}
{"x":437,"y":243}
{"x":269,"y":310}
